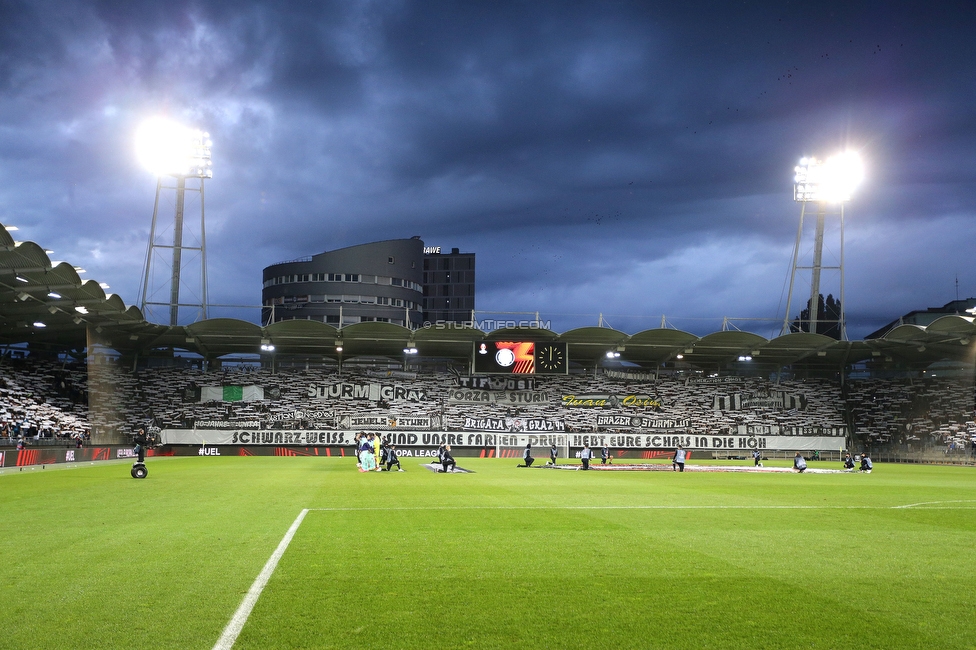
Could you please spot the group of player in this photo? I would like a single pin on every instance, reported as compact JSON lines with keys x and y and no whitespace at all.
{"x":372,"y":453}
{"x":850,"y":464}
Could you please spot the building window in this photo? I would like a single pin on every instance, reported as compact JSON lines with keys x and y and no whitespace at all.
{"x":397,"y":282}
{"x":391,"y":260}
{"x":380,"y":319}
{"x":332,"y":319}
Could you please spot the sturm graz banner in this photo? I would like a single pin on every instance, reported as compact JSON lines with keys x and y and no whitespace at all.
{"x":366,"y":391}
{"x":639,"y":422}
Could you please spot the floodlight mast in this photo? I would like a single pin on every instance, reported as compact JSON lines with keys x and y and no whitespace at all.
{"x":826,"y":184}
{"x":170,"y":150}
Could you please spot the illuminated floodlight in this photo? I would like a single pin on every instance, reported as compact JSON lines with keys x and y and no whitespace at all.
{"x":613,"y":355}
{"x":410,"y":350}
{"x":833,"y":180}
{"x":745,"y":357}
{"x":267,"y":347}
{"x":39,"y":324}
{"x":55,"y":295}
{"x":169,"y":149}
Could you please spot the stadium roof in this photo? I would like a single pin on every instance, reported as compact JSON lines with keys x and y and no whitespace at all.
{"x":48,"y":306}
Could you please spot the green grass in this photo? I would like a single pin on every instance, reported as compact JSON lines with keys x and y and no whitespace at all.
{"x":503,"y":557}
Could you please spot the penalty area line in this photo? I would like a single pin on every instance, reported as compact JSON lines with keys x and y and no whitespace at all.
{"x":236,"y":624}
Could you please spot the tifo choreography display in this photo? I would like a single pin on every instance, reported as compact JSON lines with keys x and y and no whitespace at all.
{"x":625,"y":410}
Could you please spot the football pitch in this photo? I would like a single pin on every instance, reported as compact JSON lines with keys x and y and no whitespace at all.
{"x":497,"y":558}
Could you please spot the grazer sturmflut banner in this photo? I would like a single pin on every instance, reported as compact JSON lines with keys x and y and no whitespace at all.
{"x":491,"y":439}
{"x":639,"y":422}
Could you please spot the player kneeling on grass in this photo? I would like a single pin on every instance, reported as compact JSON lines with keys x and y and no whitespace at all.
{"x":447,"y":460}
{"x":390,"y":457}
{"x":866,"y":464}
{"x":848,"y":463}
{"x":678,"y":461}
{"x":799,"y":463}
{"x":527,"y":456}
{"x":553,"y":452}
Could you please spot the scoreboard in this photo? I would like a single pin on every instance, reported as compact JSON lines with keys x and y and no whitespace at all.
{"x":521,"y":358}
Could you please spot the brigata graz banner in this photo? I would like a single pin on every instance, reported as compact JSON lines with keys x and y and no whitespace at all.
{"x":491,"y":439}
{"x":513,"y":424}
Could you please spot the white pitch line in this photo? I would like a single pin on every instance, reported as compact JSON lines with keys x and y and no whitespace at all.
{"x":637,"y":507}
{"x":932,"y":503}
{"x":233,"y":629}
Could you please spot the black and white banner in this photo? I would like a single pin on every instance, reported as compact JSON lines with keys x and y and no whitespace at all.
{"x":499,"y":382}
{"x":227,"y":424}
{"x":318,"y":438}
{"x":610,"y":401}
{"x":512,"y":398}
{"x":639,"y":422}
{"x":638,"y":376}
{"x":513,"y":424}
{"x":300,"y":415}
{"x":713,"y":380}
{"x":366,"y":391}
{"x":777,"y":400}
{"x":387,"y":422}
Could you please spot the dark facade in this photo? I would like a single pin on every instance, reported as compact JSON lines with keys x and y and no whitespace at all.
{"x":448,"y":286}
{"x":379,"y":281}
{"x":927,"y":316}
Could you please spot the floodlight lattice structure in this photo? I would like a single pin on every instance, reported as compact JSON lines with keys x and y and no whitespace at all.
{"x":175,"y":153}
{"x":823,"y":187}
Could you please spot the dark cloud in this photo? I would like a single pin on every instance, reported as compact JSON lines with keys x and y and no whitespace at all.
{"x":620,"y":158}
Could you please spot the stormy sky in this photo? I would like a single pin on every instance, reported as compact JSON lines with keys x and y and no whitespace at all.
{"x":624,"y":158}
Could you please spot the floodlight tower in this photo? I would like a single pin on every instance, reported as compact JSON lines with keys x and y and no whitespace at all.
{"x":170,"y":150}
{"x":828,"y":185}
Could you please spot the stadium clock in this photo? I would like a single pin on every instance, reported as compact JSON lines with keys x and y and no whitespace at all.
{"x":550,"y":358}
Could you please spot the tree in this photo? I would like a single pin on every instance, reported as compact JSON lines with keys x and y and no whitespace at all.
{"x":828,"y":318}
